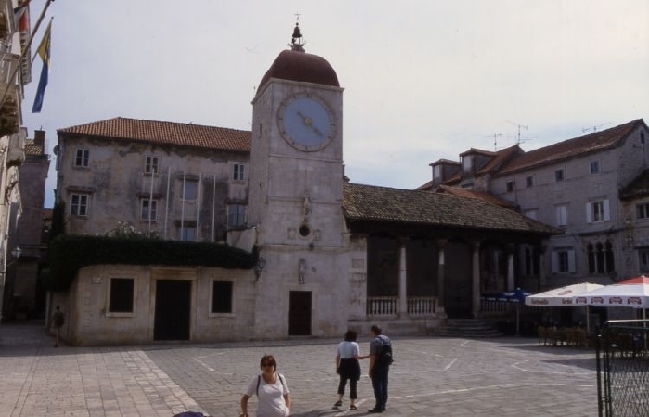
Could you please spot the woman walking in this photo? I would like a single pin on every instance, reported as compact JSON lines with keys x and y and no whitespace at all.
{"x":347,"y":366}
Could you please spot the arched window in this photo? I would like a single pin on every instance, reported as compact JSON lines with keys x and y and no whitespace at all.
{"x":599,"y":257}
{"x":609,"y":257}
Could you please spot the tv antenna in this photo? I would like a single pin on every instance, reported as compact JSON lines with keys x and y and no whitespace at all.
{"x":519,"y":126}
{"x":593,"y":128}
{"x":495,"y":136}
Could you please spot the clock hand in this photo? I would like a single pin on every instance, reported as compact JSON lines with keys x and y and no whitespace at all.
{"x":305,"y":119}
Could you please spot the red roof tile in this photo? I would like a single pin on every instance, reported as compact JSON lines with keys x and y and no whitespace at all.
{"x":153,"y":131}
{"x":571,"y":148}
{"x":479,"y":195}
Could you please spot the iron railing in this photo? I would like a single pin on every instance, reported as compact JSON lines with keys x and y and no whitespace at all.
{"x":623,"y":368}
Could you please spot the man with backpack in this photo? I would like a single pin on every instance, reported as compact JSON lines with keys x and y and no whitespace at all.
{"x":380,"y":361}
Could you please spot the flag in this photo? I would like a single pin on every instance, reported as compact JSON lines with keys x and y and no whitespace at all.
{"x":19,"y":12}
{"x":44,"y":53}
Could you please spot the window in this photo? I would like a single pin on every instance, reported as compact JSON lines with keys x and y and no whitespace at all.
{"x":221,"y":297}
{"x":121,"y":295}
{"x":467,"y":163}
{"x":437,"y":173}
{"x":509,"y":186}
{"x":562,"y":215}
{"x":598,"y":211}
{"x":239,"y":172}
{"x":594,"y":167}
{"x":642,"y":211}
{"x":82,"y":158}
{"x":151,"y":165}
{"x":563,"y":260}
{"x":532,"y":214}
{"x":236,"y":215}
{"x":190,"y":190}
{"x":187,"y":233}
{"x":149,"y":210}
{"x":79,"y":205}
{"x":644,"y":259}
{"x":600,"y":257}
{"x":529,"y":181}
{"x":558,"y":175}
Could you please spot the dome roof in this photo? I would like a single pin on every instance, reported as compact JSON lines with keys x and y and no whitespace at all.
{"x":302,"y":67}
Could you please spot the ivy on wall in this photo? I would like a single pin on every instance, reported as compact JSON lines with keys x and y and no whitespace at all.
{"x":68,"y":253}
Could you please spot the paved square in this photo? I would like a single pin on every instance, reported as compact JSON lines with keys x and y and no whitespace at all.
{"x":432,"y":376}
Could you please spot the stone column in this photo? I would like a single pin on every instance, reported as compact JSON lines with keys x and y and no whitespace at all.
{"x":403,"y":275}
{"x":510,"y":267}
{"x":475,"y":302}
{"x":543,"y":247}
{"x":441,"y":243}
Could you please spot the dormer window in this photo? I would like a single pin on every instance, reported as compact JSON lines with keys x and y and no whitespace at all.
{"x":467,"y":163}
{"x":437,"y":173}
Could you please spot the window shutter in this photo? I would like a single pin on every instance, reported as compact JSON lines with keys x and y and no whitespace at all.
{"x":572,"y":267}
{"x":589,"y":212}
{"x":607,"y":211}
{"x":555,"y":262}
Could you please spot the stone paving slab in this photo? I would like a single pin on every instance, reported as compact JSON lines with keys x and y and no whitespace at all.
{"x":503,"y":376}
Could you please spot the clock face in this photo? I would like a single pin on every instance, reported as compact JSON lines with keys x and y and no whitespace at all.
{"x":306,"y":122}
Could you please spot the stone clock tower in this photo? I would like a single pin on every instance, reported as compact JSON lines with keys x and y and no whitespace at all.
{"x":295,"y":197}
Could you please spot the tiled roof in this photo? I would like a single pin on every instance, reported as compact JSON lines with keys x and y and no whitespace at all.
{"x":499,"y":158}
{"x":480,"y":195}
{"x":33,"y":150}
{"x":169,"y":133}
{"x":570,"y":148}
{"x":379,"y":204}
{"x":637,"y":188}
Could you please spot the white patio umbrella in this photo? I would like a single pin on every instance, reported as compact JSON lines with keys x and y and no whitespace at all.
{"x":560,"y":296}
{"x":632,"y":292}
{"x":563,"y":297}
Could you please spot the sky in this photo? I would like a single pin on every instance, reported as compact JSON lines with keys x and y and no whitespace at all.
{"x":423,"y":79}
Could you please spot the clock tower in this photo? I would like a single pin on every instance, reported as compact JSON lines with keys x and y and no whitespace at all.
{"x":295,"y":197}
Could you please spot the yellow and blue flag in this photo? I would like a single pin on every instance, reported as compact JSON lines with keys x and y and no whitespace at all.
{"x":44,"y":53}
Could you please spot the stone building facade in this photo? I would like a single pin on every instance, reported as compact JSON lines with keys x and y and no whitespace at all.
{"x":333,"y":255}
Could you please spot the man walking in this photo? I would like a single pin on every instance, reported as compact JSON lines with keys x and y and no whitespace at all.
{"x":380,"y":360}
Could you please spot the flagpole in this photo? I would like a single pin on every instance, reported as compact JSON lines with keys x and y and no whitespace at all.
{"x":12,"y":78}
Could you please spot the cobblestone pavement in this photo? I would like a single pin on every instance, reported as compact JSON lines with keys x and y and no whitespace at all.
{"x":504,"y":376}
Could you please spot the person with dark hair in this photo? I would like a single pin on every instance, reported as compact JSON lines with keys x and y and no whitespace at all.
{"x":57,"y":320}
{"x":271,"y":390}
{"x":348,"y":368}
{"x":380,"y":361}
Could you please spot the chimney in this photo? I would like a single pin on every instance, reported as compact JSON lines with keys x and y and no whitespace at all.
{"x":39,"y":138}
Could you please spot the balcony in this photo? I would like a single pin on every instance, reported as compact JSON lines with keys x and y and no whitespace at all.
{"x":388,"y":307}
{"x":9,"y":97}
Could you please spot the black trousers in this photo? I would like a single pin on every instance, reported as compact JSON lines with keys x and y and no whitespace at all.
{"x":349,"y":369}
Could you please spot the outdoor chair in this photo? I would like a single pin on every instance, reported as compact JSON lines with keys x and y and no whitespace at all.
{"x":543,"y":335}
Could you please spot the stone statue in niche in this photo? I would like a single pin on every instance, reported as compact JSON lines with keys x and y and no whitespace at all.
{"x":301,"y":270}
{"x":306,"y":208}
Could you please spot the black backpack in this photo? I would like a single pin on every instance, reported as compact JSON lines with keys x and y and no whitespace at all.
{"x":385,"y":357}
